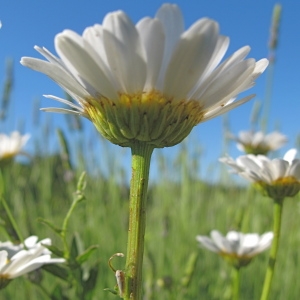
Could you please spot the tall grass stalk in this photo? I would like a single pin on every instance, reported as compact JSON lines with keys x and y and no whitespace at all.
{"x":273,"y":44}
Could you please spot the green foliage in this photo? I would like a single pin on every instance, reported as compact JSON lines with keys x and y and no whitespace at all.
{"x":177,"y":210}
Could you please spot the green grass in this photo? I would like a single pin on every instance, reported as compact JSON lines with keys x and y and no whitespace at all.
{"x":177,"y":211}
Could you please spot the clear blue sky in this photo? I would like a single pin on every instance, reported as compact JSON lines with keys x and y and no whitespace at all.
{"x":36,"y":22}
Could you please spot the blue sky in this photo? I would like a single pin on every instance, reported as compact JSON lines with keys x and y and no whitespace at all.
{"x":29,"y":23}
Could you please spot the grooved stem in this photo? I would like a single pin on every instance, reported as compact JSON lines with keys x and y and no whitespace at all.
{"x":141,"y":156}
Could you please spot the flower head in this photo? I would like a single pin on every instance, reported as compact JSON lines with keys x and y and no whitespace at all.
{"x":151,"y":82}
{"x":257,"y":142}
{"x":236,"y":247}
{"x":15,"y":260}
{"x":11,"y":145}
{"x":278,"y":178}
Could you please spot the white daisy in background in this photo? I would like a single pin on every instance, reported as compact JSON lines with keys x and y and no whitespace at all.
{"x":15,"y":260}
{"x":256,"y":143}
{"x":151,"y":82}
{"x":12,"y":145}
{"x":278,"y":177}
{"x":236,"y":247}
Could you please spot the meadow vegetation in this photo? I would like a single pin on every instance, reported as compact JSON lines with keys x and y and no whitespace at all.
{"x":175,"y":267}
{"x":41,"y":188}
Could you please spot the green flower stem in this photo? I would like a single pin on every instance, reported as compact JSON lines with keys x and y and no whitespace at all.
{"x":277,"y":211}
{"x":64,"y":230}
{"x":235,"y":283}
{"x":141,"y":156}
{"x":77,"y":198}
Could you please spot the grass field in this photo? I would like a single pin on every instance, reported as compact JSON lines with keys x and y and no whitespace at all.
{"x":176,"y":212}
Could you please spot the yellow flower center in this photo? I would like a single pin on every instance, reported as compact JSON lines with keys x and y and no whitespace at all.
{"x":148,"y":117}
{"x":9,"y":155}
{"x":282,"y":187}
{"x":256,"y":150}
{"x":235,"y":259}
{"x":4,"y":280}
{"x":289,"y":180}
{"x":7,"y":158}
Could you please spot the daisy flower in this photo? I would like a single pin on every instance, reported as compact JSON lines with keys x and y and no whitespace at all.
{"x":259,"y":143}
{"x":149,"y":82}
{"x":16,"y":261}
{"x":278,"y":177}
{"x":12,"y":145}
{"x":236,"y":247}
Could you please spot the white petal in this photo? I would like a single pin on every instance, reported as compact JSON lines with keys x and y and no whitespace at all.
{"x":249,"y":162}
{"x":69,"y":103}
{"x":266,"y":173}
{"x":58,"y":74}
{"x":233,"y":236}
{"x":251,"y":176}
{"x":257,"y":138}
{"x":234,"y":240}
{"x":279,"y":169}
{"x":223,"y":109}
{"x":220,"y":50}
{"x":275,"y":140}
{"x":246,"y":137}
{"x":93,"y":41}
{"x":33,"y":265}
{"x":93,"y":35}
{"x":63,"y":111}
{"x":220,"y":241}
{"x":295,"y":169}
{"x":230,"y":62}
{"x":240,"y":147}
{"x":207,"y":243}
{"x":50,"y":57}
{"x":260,"y":67}
{"x":3,"y":259}
{"x":191,"y":56}
{"x":249,"y":242}
{"x":124,"y":51}
{"x":264,"y":243}
{"x":227,"y":85}
{"x":31,"y":241}
{"x":232,"y":163}
{"x":70,"y":48}
{"x":153,"y":38}
{"x":237,"y":57}
{"x":290,"y":155}
{"x":171,"y":18}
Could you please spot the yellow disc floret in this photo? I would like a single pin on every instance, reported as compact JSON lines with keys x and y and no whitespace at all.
{"x":280,"y":188}
{"x":148,"y":117}
{"x":236,"y":260}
